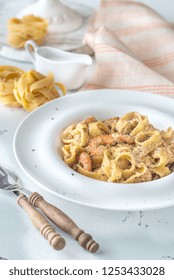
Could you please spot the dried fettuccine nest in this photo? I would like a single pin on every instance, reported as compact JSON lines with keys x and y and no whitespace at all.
{"x":34,"y":89}
{"x":8,"y":76}
{"x":28,"y":28}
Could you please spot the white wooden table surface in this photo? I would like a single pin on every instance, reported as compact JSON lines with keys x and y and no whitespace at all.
{"x":121,"y":235}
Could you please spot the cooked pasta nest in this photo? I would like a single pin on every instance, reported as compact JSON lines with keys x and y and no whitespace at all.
{"x":127,"y":149}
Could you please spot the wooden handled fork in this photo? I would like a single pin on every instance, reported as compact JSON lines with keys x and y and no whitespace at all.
{"x":64,"y":222}
{"x":9,"y":182}
{"x":41,"y":223}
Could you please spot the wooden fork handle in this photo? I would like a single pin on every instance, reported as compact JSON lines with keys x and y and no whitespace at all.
{"x":63,"y":222}
{"x":41,"y":223}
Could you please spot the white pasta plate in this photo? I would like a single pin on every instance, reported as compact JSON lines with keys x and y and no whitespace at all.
{"x":37,"y":148}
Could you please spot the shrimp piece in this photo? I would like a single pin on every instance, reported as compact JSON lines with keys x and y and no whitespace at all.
{"x":124,"y":138}
{"x":89,"y":120}
{"x":98,"y":151}
{"x":105,"y":139}
{"x":99,"y":144}
{"x":109,"y":139}
{"x":85,"y":161}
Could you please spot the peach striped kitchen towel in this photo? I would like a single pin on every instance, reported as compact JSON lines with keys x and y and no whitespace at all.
{"x":133,"y":46}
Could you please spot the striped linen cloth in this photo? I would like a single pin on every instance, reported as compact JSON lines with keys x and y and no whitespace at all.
{"x":133,"y":46}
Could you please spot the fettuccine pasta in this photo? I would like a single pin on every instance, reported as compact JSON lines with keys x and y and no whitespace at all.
{"x":29,"y":27}
{"x":34,"y":89}
{"x":8,"y":76}
{"x":28,"y":89}
{"x":128,"y":149}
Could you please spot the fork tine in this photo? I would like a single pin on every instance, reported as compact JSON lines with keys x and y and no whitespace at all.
{"x":14,"y":176}
{"x":8,"y":173}
{"x":3,"y":171}
{"x":12,"y":188}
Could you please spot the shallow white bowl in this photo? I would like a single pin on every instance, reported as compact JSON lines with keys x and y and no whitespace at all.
{"x":37,"y":148}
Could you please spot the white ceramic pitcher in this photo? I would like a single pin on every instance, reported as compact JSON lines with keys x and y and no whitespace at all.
{"x":68,"y":68}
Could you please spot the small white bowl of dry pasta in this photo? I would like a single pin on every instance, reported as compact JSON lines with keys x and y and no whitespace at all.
{"x":107,"y":149}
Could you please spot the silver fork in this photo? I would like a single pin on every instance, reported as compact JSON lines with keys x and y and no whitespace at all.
{"x":39,"y":221}
{"x":6,"y":185}
{"x":53,"y":213}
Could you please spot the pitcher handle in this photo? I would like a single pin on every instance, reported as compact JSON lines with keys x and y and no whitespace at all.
{"x":29,"y":50}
